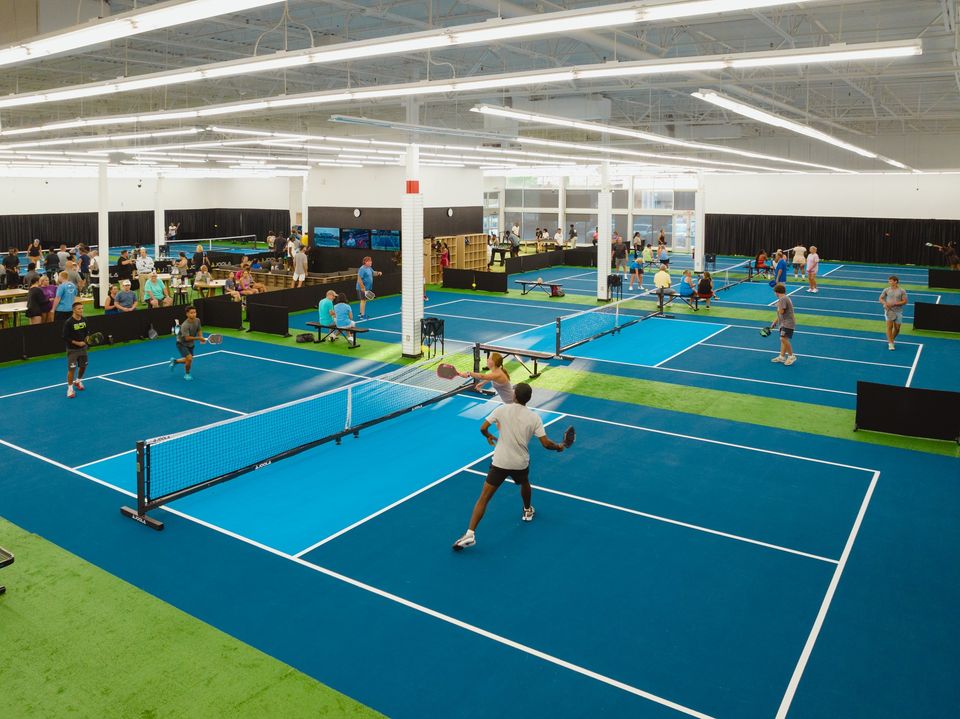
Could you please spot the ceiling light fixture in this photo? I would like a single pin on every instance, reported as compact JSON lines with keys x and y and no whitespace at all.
{"x":769,"y":119}
{"x":837,"y":53}
{"x":126,"y":24}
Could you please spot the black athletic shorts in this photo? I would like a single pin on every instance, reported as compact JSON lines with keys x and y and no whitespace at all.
{"x":786,"y":332}
{"x":497,"y":475}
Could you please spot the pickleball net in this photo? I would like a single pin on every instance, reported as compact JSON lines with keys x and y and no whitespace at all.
{"x":725,"y":278}
{"x":578,"y":328}
{"x":176,"y":465}
{"x":214,"y":244}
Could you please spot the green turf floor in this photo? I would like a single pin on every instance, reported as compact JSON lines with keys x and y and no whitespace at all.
{"x":76,"y":641}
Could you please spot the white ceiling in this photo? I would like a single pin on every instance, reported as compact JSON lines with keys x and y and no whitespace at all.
{"x":906,"y":109}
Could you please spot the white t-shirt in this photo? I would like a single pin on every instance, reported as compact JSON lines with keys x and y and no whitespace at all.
{"x":516,"y":425}
{"x":798,"y":254}
{"x":813,"y":262}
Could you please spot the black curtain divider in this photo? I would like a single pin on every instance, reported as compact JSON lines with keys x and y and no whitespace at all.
{"x":930,"y":316}
{"x":908,"y":410}
{"x":947,"y":279}
{"x":11,"y":344}
{"x":130,"y":227}
{"x":854,"y":239}
{"x":458,"y":279}
{"x":297,"y":299}
{"x":228,"y":222}
{"x":580,"y":257}
{"x":51,"y":229}
{"x":272,"y":319}
{"x":220,"y":311}
{"x":492,"y":281}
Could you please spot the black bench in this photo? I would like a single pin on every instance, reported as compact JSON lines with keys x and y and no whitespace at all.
{"x":331,"y":332}
{"x":692,"y":301}
{"x":553,"y":289}
{"x":6,"y":559}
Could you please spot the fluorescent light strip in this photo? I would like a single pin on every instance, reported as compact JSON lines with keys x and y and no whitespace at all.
{"x":595,"y":127}
{"x":126,"y":24}
{"x":100,"y":138}
{"x":769,"y":119}
{"x":503,"y":81}
{"x":485,"y":32}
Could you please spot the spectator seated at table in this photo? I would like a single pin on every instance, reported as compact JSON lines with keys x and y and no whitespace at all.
{"x":255,"y":265}
{"x":247,"y":286}
{"x":155,"y":293}
{"x":661,"y":281}
{"x":230,"y":289}
{"x":203,"y":276}
{"x":110,"y":306}
{"x":126,"y":299}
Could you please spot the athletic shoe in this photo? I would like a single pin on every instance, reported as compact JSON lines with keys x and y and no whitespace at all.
{"x":70,"y":393}
{"x":78,"y":385}
{"x":814,"y":290}
{"x":188,"y":377}
{"x":778,"y":358}
{"x":790,"y":360}
{"x":808,"y":290}
{"x":363,"y":317}
{"x":890,"y":346}
{"x":173,"y":363}
{"x":528,"y":513}
{"x":467,"y":540}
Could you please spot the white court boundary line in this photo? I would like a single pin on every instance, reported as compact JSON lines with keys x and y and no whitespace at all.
{"x":676,"y":522}
{"x":825,"y":605}
{"x":174,"y":396}
{"x":833,"y":270}
{"x":393,"y":597}
{"x":104,"y":459}
{"x":484,"y":319}
{"x":821,"y":357}
{"x":913,"y":368}
{"x":713,"y":374}
{"x":724,"y":328}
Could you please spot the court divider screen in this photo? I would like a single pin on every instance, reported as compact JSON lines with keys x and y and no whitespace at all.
{"x":910,"y":411}
{"x":250,"y":442}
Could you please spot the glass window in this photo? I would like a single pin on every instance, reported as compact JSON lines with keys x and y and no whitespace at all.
{"x":653,"y":199}
{"x":620,"y":199}
{"x":491,"y":200}
{"x":584,"y":224}
{"x":684,"y":200}
{"x":532,"y":220}
{"x":491,"y":223}
{"x":513,"y":198}
{"x":582,"y":198}
{"x":541,"y":198}
{"x":649,"y":228}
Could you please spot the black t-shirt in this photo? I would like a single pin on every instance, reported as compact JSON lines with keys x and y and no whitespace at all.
{"x":74,"y":330}
{"x":125,"y":268}
{"x":620,"y":250}
{"x":33,"y":251}
{"x":11,"y":263}
{"x":52,"y":262}
{"x":200,"y":259}
{"x":37,"y":302}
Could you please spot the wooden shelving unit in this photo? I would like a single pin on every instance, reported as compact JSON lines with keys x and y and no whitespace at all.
{"x":467,"y":252}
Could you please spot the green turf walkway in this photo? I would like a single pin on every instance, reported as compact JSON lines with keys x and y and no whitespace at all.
{"x":53,"y":665}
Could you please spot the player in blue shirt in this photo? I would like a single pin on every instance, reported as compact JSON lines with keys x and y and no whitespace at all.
{"x":66,"y":294}
{"x":365,"y":277}
{"x":780,"y":271}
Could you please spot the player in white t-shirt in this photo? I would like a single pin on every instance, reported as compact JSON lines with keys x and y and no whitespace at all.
{"x":813,"y":266}
{"x":799,"y":262}
{"x":516,"y":425}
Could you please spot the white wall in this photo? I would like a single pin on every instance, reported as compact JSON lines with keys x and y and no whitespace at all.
{"x":29,"y":195}
{"x":385,"y":186}
{"x":886,"y":196}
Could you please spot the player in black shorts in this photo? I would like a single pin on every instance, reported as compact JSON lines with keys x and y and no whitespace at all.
{"x":75,"y":335}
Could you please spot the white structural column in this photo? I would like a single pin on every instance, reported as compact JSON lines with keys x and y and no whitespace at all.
{"x":411,"y":248}
{"x":159,"y":222}
{"x":699,"y":238}
{"x":604,"y":230}
{"x":103,"y":232}
{"x":304,"y":206}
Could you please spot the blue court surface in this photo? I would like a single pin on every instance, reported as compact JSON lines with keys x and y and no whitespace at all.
{"x":677,"y":565}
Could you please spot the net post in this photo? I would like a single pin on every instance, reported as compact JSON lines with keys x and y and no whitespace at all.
{"x":140,"y":513}
{"x":476,"y":357}
{"x":559,"y":345}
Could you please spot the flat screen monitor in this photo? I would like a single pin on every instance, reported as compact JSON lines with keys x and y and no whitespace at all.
{"x":326,"y":236}
{"x":386,"y":240}
{"x":355,"y":239}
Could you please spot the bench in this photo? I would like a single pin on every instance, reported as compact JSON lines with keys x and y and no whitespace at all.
{"x":553,"y":289}
{"x":332,"y":332}
{"x":6,"y":559}
{"x":692,"y":301}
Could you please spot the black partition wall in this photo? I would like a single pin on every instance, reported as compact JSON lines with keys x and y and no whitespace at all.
{"x":436,"y":222}
{"x":855,"y":239}
{"x":71,"y":228}
{"x":227,"y":222}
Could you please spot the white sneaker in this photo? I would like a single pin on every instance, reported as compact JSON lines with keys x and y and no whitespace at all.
{"x":528,"y":513}
{"x":790,"y":360}
{"x":70,"y":393}
{"x":808,"y":290}
{"x":814,"y":290}
{"x":78,"y":385}
{"x":890,"y":346}
{"x":467,"y":540}
{"x":778,"y":358}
